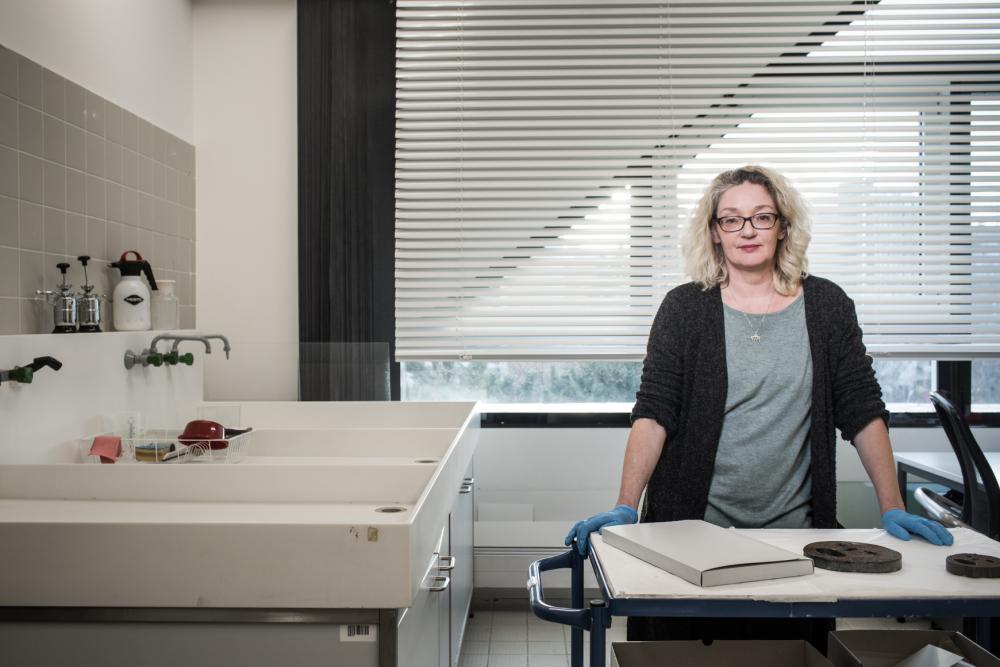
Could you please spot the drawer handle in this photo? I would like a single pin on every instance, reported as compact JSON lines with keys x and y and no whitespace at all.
{"x":443,"y":583}
{"x":466,"y":488}
{"x":447,"y":563}
{"x":471,"y":481}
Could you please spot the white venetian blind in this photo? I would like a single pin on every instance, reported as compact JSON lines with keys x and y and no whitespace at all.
{"x":548,"y":154}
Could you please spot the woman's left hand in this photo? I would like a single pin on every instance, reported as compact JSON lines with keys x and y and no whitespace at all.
{"x":902,"y":524}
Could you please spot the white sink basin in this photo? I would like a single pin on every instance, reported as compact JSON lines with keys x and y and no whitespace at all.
{"x":349,"y":414}
{"x":317,"y":481}
{"x":411,"y":443}
{"x":313,"y":517}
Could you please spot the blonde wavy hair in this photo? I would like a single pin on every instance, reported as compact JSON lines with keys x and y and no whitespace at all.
{"x":703,"y":258}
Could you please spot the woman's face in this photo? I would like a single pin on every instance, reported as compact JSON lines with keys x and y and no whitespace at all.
{"x":749,"y":249}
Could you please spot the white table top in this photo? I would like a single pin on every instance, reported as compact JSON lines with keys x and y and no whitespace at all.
{"x":943,"y":464}
{"x":923,"y":575}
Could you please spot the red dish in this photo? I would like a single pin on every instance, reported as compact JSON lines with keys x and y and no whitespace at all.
{"x":204,"y":433}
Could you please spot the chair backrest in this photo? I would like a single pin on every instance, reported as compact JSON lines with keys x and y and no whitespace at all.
{"x":972,"y":461}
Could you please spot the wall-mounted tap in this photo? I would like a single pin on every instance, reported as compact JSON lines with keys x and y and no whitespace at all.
{"x":226,"y":347}
{"x":203,"y":339}
{"x":144,"y":358}
{"x":154,"y":357}
{"x":25,"y":374}
{"x":178,"y":339}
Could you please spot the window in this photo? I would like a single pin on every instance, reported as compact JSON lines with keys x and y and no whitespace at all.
{"x":906,"y":383}
{"x":546,"y":154}
{"x":986,"y":385}
{"x":521,"y":381}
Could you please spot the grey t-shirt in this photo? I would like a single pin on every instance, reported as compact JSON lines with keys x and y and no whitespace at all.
{"x":762,"y":466}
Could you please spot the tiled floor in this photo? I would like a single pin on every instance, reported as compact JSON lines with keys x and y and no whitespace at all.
{"x":509,"y":635}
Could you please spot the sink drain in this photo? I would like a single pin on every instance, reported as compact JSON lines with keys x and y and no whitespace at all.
{"x":392,"y":509}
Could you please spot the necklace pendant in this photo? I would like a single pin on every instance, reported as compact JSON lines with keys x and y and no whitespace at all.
{"x":755,"y":338}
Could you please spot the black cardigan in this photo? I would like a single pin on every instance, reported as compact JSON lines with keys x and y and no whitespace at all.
{"x":684,"y":384}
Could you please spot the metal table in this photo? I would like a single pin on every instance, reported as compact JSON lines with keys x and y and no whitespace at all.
{"x":938,"y":467}
{"x":631,"y":587}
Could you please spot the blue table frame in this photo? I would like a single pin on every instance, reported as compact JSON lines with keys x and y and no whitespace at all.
{"x":595,"y":618}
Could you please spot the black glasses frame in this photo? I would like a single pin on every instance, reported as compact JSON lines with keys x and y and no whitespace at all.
{"x":746,"y":219}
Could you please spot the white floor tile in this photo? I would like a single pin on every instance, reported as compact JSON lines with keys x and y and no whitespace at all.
{"x":548,"y":661}
{"x":550,"y":632}
{"x":536,"y":620}
{"x":509,"y":648}
{"x":509,"y":633}
{"x":510,"y":618}
{"x":616,"y":635}
{"x":480,"y":617}
{"x":475,"y":648}
{"x":474,"y":661}
{"x":477,"y":633}
{"x":547,"y":648}
{"x":508,"y":661}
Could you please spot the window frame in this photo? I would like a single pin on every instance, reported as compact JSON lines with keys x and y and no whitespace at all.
{"x":954,"y":379}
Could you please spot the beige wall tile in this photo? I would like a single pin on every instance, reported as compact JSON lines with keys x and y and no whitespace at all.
{"x":10,"y":316}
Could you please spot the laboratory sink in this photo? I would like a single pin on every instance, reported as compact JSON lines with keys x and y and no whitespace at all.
{"x":416,"y":444}
{"x":313,"y":516}
{"x":278,"y":480}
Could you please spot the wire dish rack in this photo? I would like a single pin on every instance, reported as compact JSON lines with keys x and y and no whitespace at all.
{"x":167,"y":446}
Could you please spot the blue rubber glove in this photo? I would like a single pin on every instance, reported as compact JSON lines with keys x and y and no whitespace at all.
{"x":581,"y":530}
{"x":901,"y":524}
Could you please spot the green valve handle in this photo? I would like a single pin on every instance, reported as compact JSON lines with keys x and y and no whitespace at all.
{"x":173,"y":358}
{"x":155,"y":359}
{"x":22,"y":374}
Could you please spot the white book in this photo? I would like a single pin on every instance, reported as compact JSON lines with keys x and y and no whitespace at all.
{"x":705,"y":554}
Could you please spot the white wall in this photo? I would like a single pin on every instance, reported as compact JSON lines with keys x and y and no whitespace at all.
{"x":556,"y":476}
{"x":247,"y":146}
{"x":533,"y":484}
{"x":136,"y":54}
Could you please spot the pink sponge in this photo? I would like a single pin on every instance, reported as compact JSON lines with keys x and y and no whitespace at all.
{"x":108,"y":447}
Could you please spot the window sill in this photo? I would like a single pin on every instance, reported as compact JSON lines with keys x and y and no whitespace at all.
{"x":556,"y":415}
{"x":617,"y":415}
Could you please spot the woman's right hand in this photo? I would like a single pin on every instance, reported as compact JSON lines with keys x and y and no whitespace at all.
{"x":581,"y":530}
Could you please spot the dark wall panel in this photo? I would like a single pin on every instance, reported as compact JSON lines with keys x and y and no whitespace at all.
{"x":346,"y":124}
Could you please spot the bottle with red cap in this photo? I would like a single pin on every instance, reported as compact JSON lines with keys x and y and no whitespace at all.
{"x":131,"y":296}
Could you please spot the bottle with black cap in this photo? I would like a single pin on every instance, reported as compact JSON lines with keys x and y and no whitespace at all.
{"x":88,"y":304}
{"x":131,"y":296}
{"x":63,"y":304}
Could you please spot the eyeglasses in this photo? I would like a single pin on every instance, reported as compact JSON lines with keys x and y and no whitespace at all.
{"x":735,"y":223}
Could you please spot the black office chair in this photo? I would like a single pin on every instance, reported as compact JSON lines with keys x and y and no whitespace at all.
{"x":978,"y":510}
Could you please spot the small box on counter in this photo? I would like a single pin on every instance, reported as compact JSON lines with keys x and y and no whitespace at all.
{"x":889,"y":648}
{"x":705,"y":554}
{"x":721,"y":653}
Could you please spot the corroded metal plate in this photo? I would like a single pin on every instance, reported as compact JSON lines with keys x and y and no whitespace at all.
{"x":853,"y":557}
{"x":976,"y":566}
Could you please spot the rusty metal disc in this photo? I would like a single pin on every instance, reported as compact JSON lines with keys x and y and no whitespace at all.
{"x":976,"y":566}
{"x":853,"y":557}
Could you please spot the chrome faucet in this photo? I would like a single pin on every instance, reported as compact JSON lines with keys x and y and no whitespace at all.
{"x":226,"y":347}
{"x":179,"y":338}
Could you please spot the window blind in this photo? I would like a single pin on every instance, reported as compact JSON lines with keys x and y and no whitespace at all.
{"x":548,"y":154}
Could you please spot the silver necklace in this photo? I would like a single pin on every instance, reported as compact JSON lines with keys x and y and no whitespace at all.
{"x":755,"y":336}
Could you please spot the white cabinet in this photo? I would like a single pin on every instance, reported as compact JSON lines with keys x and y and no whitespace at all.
{"x":423,"y":630}
{"x":461,"y":575}
{"x":442,"y":607}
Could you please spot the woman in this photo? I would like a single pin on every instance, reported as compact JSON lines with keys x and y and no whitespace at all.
{"x":748,"y":371}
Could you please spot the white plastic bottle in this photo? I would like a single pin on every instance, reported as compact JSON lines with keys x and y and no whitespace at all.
{"x":166,"y":306}
{"x":130,"y":300}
